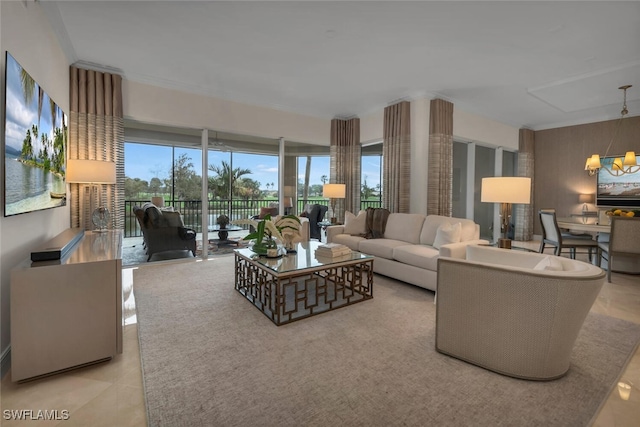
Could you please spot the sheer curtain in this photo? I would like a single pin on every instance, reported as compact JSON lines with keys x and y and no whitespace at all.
{"x":346,"y":163}
{"x":96,"y":132}
{"x":440,"y":175}
{"x":396,"y":158}
{"x":524,"y":213}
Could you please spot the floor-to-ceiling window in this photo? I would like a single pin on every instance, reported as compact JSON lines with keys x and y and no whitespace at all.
{"x":242,"y":173}
{"x":371,"y":176}
{"x":171,"y":176}
{"x":239,"y":184}
{"x":313,"y":173}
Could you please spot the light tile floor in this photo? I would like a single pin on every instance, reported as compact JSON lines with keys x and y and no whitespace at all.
{"x":111,"y":393}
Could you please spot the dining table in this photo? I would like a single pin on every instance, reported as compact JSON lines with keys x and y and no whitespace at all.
{"x":577,"y":224}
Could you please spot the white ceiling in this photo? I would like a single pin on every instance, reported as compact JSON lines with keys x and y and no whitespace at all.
{"x":527,"y":64}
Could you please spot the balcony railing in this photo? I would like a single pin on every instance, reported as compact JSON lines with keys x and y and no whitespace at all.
{"x":191,"y":211}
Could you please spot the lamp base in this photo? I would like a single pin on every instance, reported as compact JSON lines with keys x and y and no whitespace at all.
{"x":504,"y":243}
{"x":100,"y":219}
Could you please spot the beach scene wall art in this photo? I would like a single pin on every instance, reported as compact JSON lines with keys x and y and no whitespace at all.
{"x":34,"y":146}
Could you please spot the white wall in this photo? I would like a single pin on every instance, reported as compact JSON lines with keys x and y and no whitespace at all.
{"x":470,"y":127}
{"x":152,"y":104}
{"x":371,"y":127}
{"x":26,"y":34}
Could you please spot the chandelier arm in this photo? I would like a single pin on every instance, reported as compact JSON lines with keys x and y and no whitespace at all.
{"x":615,"y":134}
{"x":620,"y":172}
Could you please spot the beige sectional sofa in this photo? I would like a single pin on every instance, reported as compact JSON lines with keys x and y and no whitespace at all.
{"x":411,"y":245}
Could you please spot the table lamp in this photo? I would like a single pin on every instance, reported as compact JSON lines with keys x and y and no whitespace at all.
{"x":506,"y":190}
{"x":93,"y":173}
{"x":586,"y":198}
{"x":288,"y":204}
{"x":334,"y":192}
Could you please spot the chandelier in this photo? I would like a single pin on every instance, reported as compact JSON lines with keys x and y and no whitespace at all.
{"x":619,"y":166}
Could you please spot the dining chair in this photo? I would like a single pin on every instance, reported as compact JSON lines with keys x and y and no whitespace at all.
{"x":624,"y":239}
{"x":552,"y":236}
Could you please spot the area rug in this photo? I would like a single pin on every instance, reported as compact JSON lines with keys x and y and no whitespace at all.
{"x":216,"y":248}
{"x":133,"y":252}
{"x":210,"y":358}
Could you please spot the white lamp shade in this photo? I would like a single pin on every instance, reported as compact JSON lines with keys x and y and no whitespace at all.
{"x":90,"y":171}
{"x":506,"y":189}
{"x":334,"y":191}
{"x":587,"y":198}
{"x":288,"y":202}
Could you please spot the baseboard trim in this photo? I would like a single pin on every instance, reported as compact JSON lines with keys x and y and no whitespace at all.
{"x":5,"y":361}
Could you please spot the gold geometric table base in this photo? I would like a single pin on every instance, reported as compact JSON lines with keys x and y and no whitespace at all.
{"x":295,"y":295}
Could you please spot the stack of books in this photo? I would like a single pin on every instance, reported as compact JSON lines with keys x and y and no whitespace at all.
{"x":332,"y":250}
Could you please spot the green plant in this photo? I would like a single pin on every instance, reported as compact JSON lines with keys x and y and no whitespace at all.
{"x":267,"y":229}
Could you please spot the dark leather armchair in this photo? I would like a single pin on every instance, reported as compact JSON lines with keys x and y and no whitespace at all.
{"x":315,"y":213}
{"x":163,"y":230}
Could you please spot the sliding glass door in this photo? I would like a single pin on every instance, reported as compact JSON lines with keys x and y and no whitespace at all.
{"x":164,"y":165}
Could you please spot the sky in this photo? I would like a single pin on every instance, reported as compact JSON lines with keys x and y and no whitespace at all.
{"x":148,"y":161}
{"x":20,"y":115}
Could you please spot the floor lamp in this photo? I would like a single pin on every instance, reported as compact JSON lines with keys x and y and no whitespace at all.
{"x":506,"y":190}
{"x":93,"y":173}
{"x":334,"y":192}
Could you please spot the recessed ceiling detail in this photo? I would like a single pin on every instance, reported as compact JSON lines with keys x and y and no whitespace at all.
{"x":590,"y":90}
{"x":534,"y":64}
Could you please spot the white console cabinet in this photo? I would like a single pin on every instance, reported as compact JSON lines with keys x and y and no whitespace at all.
{"x":67,"y":313}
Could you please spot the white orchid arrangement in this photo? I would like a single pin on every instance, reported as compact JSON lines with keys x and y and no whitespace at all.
{"x":289,"y":227}
{"x":285,"y":228}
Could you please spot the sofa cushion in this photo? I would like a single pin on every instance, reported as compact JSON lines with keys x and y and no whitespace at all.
{"x":432,"y":222}
{"x":154,"y":216}
{"x":447,"y":233}
{"x":549,"y":263}
{"x":380,"y":247}
{"x":353,"y":242}
{"x":173,"y":218}
{"x":405,"y":227}
{"x":355,"y":225}
{"x":417,"y":255}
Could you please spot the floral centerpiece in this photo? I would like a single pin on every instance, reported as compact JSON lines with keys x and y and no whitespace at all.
{"x":269,"y":234}
{"x":222,"y":221}
{"x":289,"y":227}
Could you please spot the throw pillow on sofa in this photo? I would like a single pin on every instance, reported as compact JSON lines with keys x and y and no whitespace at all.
{"x":447,"y":233}
{"x":549,"y":263}
{"x":173,"y":218}
{"x":376,"y":222}
{"x":355,"y":225}
{"x":264,"y":211}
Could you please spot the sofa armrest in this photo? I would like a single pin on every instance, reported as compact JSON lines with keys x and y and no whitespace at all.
{"x":334,"y":230}
{"x":459,"y":250}
{"x":304,"y":229}
{"x":186,"y":233}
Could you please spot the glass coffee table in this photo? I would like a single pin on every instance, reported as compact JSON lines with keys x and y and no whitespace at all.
{"x":297,"y":285}
{"x":223,"y":234}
